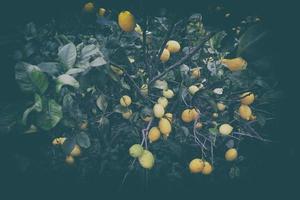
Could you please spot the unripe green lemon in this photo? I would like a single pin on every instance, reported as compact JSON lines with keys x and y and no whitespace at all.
{"x":146,"y":160}
{"x":136,"y":150}
{"x":158,"y":110}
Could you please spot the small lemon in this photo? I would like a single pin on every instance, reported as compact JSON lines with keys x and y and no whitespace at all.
{"x":126,"y":21}
{"x":196,"y":165}
{"x":127,"y":114}
{"x":165,"y":126}
{"x":225,"y":129}
{"x":215,"y":115}
{"x":70,"y":160}
{"x":154,"y":134}
{"x":195,"y":72}
{"x":136,"y":150}
{"x":193,"y":89}
{"x":146,"y":160}
{"x":187,"y":116}
{"x":198,"y":125}
{"x":76,"y":151}
{"x":165,"y":56}
{"x":221,"y":106}
{"x":163,"y":101}
{"x":125,"y":100}
{"x":207,"y":169}
{"x":158,"y":110}
{"x":235,"y":64}
{"x":245,"y":112}
{"x":173,"y":46}
{"x":88,"y":7}
{"x":247,"y":98}
{"x":168,"y":93}
{"x":231,"y":154}
{"x":101,"y":12}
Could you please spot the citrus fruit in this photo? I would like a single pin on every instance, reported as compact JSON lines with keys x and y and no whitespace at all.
{"x":231,"y":154}
{"x":125,"y":100}
{"x":158,"y":110}
{"x":126,"y":21}
{"x":196,"y":165}
{"x":173,"y":46}
{"x":153,"y":134}
{"x":225,"y":129}
{"x":146,"y":160}
{"x":136,"y":150}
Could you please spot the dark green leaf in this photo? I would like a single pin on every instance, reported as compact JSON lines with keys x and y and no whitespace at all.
{"x":83,"y":140}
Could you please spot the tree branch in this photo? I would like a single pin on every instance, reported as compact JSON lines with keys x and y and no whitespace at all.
{"x":183,"y":59}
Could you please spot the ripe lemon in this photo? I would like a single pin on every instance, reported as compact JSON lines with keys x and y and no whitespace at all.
{"x":101,"y":12}
{"x":163,"y":101}
{"x":158,"y":110}
{"x":154,"y":134}
{"x":207,"y":169}
{"x":245,"y":112}
{"x":126,"y":21}
{"x":138,"y":29}
{"x":221,"y":106}
{"x":125,"y":101}
{"x":165,"y":126}
{"x":225,"y":129}
{"x":235,"y":64}
{"x":165,"y":56}
{"x":127,"y":114}
{"x":193,"y":89}
{"x":168,"y":93}
{"x":76,"y":151}
{"x":70,"y":160}
{"x":231,"y":154}
{"x":136,"y":150}
{"x":173,"y":46}
{"x":195,"y":72}
{"x":196,"y":165}
{"x":146,"y":160}
{"x":169,"y":116}
{"x":247,"y":98}
{"x":88,"y":7}
{"x":144,"y":90}
{"x":187,"y":116}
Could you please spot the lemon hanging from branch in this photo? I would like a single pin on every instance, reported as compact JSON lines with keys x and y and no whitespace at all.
{"x":126,"y":21}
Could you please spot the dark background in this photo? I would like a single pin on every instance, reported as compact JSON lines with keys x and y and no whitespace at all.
{"x":275,"y":173}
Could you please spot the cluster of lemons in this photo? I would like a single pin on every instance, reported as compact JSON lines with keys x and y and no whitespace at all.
{"x":126,"y":101}
{"x":76,"y":151}
{"x":145,"y":157}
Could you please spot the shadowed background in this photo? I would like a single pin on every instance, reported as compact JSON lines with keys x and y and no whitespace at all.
{"x":275,"y":168}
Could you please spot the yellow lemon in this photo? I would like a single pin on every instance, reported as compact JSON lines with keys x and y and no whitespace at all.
{"x":165,"y":56}
{"x":76,"y":151}
{"x":127,"y":114}
{"x":163,"y":101}
{"x":193,"y":89}
{"x":125,"y":101}
{"x":247,"y":98}
{"x":101,"y":12}
{"x":169,"y":116}
{"x":88,"y":7}
{"x":173,"y":46}
{"x":136,"y":150}
{"x":195,"y":72}
{"x":126,"y":21}
{"x":245,"y":112}
{"x":168,"y":93}
{"x":70,"y":160}
{"x":187,"y":115}
{"x":225,"y":129}
{"x":231,"y":154}
{"x":221,"y":106}
{"x":144,"y":90}
{"x":158,"y":110}
{"x":154,"y":134}
{"x":165,"y":126}
{"x":235,"y":64}
{"x":196,"y":165}
{"x":146,"y":160}
{"x":207,"y":169}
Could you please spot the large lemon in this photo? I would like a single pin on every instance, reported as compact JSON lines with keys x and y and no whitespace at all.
{"x":165,"y":56}
{"x":154,"y":134}
{"x":196,"y":165}
{"x":207,"y":169}
{"x":158,"y":110}
{"x":126,"y":21}
{"x":225,"y":129}
{"x":173,"y":46}
{"x":146,"y":160}
{"x":136,"y":150}
{"x":235,"y":64}
{"x":245,"y":112}
{"x":165,"y":126}
{"x":163,"y":101}
{"x":247,"y":98}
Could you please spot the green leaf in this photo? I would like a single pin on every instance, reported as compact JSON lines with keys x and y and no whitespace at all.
{"x":102,"y":102}
{"x":50,"y":116}
{"x":37,"y":106}
{"x":67,"y":55}
{"x":66,"y":79}
{"x":30,"y":78}
{"x":83,"y":140}
{"x":51,"y":68}
{"x":213,"y":131}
